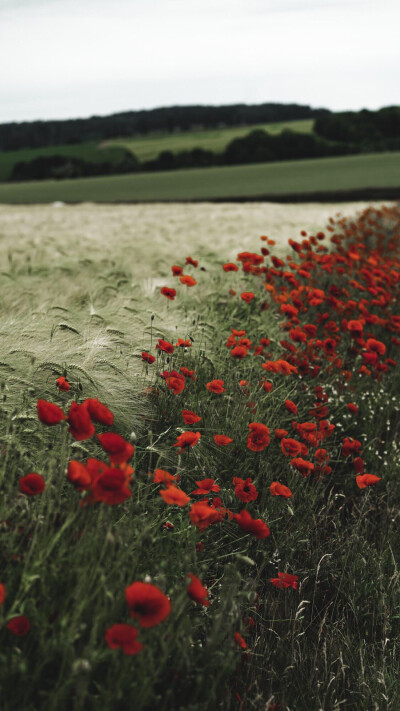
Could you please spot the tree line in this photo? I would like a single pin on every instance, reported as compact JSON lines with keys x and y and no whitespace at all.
{"x":257,"y":147}
{"x":335,"y":135}
{"x":37,"y":134}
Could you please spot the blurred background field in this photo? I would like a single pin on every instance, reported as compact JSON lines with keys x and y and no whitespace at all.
{"x":264,"y":180}
{"x":145,"y":147}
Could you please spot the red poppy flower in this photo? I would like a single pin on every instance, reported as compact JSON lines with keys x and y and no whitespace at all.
{"x":239,"y":352}
{"x":376,"y":346}
{"x":193,"y":262}
{"x":175,"y":381}
{"x":3,"y":593}
{"x":163,"y":477}
{"x":279,"y":366}
{"x":321,"y":455}
{"x":118,"y":450}
{"x":350,"y":446}
{"x":174,"y":495}
{"x":358,"y":464}
{"x":197,"y":591}
{"x":364,"y":480}
{"x":176,"y":271}
{"x":63,"y":384}
{"x":285,"y":580}
{"x":222,"y":440}
{"x":277,"y":489}
{"x":187,"y":439}
{"x":251,"y":257}
{"x":247,"y":296}
{"x":291,"y":407}
{"x":111,"y":487}
{"x":80,"y":425}
{"x":19,"y":625}
{"x":266,"y":385}
{"x":202,"y":515}
{"x":240,"y":640}
{"x":123,"y":636}
{"x":205,"y":486}
{"x":188,"y":280}
{"x":355,"y":328}
{"x":280,"y":434}
{"x":147,"y":603}
{"x":98,"y":412}
{"x":216,"y":386}
{"x":291,"y":447}
{"x":48,"y":413}
{"x":32,"y":484}
{"x":244,"y":489}
{"x":188,"y":373}
{"x":169,"y":293}
{"x":190,"y":417}
{"x":304,"y":467}
{"x":183,"y":344}
{"x":165,"y":346}
{"x":258,"y":438}
{"x":252,"y":525}
{"x":78,"y":475}
{"x":230,"y":267}
{"x":147,"y":357}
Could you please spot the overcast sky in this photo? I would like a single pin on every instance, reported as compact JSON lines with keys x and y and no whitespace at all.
{"x":70,"y":58}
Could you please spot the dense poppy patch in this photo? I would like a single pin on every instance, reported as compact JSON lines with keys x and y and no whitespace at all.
{"x":329,"y":351}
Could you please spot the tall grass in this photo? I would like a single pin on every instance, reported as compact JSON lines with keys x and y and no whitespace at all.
{"x":332,"y":643}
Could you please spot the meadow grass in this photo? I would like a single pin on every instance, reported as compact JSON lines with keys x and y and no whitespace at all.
{"x":90,"y":151}
{"x":267,"y":179}
{"x":332,"y":643}
{"x":148,"y":147}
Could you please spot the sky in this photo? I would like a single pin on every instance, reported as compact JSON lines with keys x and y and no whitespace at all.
{"x":77,"y":58}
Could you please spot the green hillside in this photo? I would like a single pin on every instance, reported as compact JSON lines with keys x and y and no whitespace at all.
{"x":144,"y":147}
{"x":148,"y":147}
{"x":379,"y":170}
{"x":91,"y":152}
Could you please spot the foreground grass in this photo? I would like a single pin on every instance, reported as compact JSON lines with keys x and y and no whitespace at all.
{"x":330,"y":644}
{"x":266,"y":180}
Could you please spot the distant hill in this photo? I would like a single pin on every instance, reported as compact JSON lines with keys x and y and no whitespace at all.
{"x":38,"y":134}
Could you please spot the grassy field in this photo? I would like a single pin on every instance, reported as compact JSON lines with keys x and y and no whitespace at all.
{"x":144,"y":147}
{"x":296,"y":603}
{"x":264,"y":180}
{"x":148,"y":147}
{"x":85,"y":151}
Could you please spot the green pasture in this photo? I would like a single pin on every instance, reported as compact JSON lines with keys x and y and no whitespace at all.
{"x":380,"y":170}
{"x":148,"y":147}
{"x":90,"y":151}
